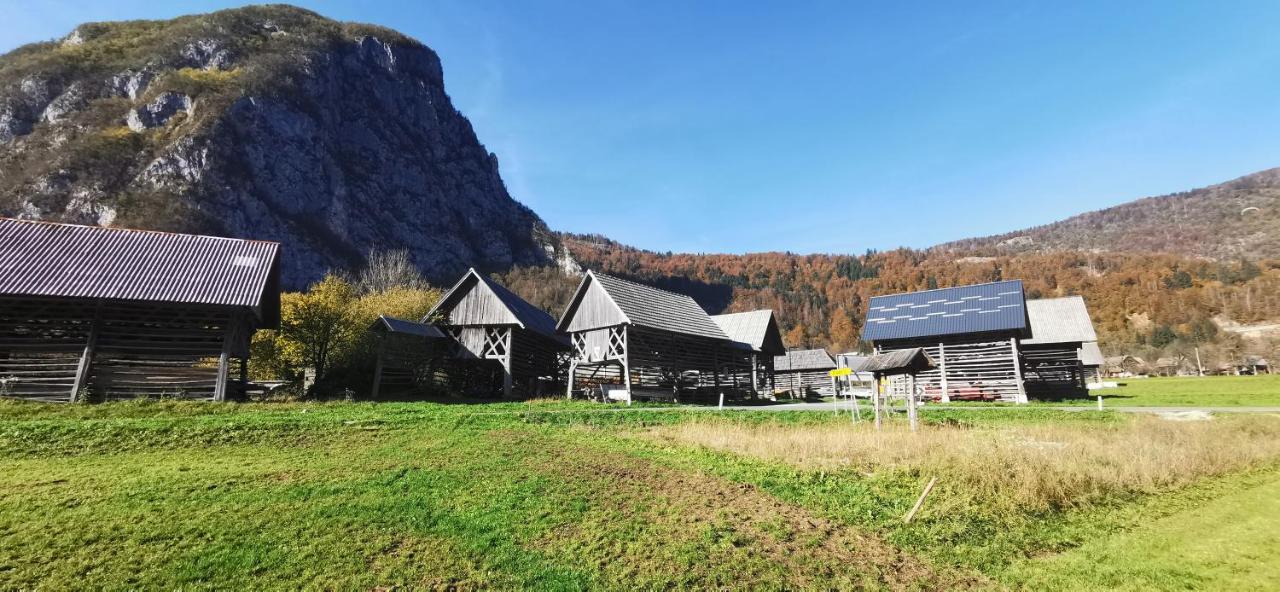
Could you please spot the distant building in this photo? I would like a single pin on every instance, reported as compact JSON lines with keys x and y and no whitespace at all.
{"x":1091,"y":358}
{"x":1052,"y":356}
{"x":1125,"y":366}
{"x":501,"y":344}
{"x":107,"y":313}
{"x":805,"y":371}
{"x":636,"y":341}
{"x":759,"y":330}
{"x":972,"y":334}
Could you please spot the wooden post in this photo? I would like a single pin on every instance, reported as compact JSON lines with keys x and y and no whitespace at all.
{"x":875,"y":399}
{"x":377,"y":369}
{"x":573,"y":369}
{"x":755,"y":384}
{"x":942,"y":370}
{"x":626,"y":362}
{"x":244,"y":377}
{"x":1017,"y":370}
{"x":506,"y":364}
{"x":920,"y":500}
{"x":86,"y":357}
{"x":224,"y":360}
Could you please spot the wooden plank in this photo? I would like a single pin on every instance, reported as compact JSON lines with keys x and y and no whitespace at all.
{"x":86,"y":359}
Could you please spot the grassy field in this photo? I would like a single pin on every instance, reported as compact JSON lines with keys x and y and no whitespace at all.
{"x":555,"y":495}
{"x":1213,"y":391}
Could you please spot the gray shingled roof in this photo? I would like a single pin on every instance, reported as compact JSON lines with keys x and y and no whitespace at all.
{"x":751,"y":328}
{"x":804,"y":359}
{"x":394,"y":325}
{"x":67,"y":260}
{"x":902,"y":361}
{"x":651,"y":307}
{"x":1059,"y":320}
{"x":1090,"y":354}
{"x":980,"y":308}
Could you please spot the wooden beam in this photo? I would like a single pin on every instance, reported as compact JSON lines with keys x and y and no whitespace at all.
{"x":506,"y":365}
{"x":86,"y":358}
{"x":942,"y":369}
{"x":1017,"y":370}
{"x":377,"y":369}
{"x":224,"y":359}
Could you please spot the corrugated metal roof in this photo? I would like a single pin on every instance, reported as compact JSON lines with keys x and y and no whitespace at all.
{"x":753,"y":329}
{"x":804,"y":359}
{"x":1059,"y":320}
{"x":394,"y":325}
{"x":651,"y":307}
{"x":997,"y":306}
{"x":1090,"y":354}
{"x":66,"y":260}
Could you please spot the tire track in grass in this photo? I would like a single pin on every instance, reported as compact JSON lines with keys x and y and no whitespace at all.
{"x":640,"y":524}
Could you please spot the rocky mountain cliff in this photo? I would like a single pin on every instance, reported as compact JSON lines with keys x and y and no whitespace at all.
{"x":264,"y":122}
{"x":1236,"y":219}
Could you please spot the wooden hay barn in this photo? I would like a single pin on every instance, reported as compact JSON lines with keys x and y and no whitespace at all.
{"x":1092,"y":360}
{"x":635,"y":341}
{"x":499,"y":342}
{"x":759,"y":330}
{"x":1123,"y":366}
{"x":109,"y":313}
{"x":1051,"y":357}
{"x":971,"y":332}
{"x":407,"y":351}
{"x":805,"y":371}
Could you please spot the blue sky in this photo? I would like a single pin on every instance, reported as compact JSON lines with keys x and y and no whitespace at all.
{"x":828,"y":126}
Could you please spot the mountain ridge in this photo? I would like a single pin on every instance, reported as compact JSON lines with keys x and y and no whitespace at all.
{"x":267,"y":122}
{"x":1233,"y":219}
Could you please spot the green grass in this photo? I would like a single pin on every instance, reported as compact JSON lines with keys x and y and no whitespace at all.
{"x":1209,"y":391}
{"x":1224,"y":543}
{"x":544,"y":495}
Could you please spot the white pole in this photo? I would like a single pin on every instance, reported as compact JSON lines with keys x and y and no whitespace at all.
{"x":911,"y":403}
{"x":875,"y":401}
{"x":1099,"y":402}
{"x":721,"y":401}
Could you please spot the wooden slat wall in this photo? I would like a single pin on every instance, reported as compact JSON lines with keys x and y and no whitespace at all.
{"x":666,"y":364}
{"x":141,"y":349}
{"x":595,"y":311}
{"x":480,"y":306}
{"x":537,"y":365}
{"x":983,"y":370}
{"x":804,"y":382}
{"x":1053,"y":370}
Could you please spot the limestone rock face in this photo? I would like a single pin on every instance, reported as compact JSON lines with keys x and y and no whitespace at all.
{"x":158,"y":111}
{"x":334,"y":139}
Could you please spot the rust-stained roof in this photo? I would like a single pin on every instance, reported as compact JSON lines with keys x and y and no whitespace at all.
{"x":71,"y":261}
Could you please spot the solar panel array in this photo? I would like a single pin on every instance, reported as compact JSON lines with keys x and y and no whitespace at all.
{"x":981,"y":308}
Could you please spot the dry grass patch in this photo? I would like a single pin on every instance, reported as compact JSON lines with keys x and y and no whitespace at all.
{"x":1029,"y":467}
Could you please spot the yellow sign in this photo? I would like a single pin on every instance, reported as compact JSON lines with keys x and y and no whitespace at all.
{"x":840,"y":372}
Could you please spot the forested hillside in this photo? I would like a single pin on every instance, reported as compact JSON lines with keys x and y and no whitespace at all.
{"x":1239,"y":218}
{"x":1152,"y":304}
